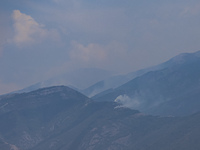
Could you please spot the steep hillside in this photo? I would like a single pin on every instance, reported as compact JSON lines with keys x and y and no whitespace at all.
{"x":59,"y":118}
{"x":26,"y":119}
{"x":116,"y":81}
{"x":173,"y":90}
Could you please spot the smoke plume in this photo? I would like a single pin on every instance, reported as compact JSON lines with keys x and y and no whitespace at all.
{"x":126,"y":101}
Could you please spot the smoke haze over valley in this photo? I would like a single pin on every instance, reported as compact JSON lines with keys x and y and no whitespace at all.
{"x":99,"y":75}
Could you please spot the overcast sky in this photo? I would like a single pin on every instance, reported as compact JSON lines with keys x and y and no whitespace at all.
{"x":43,"y":38}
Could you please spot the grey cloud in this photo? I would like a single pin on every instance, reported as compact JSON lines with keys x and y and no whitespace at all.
{"x":121,"y":36}
{"x":28,"y":31}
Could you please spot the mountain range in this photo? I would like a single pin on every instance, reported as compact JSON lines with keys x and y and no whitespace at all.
{"x":173,"y":90}
{"x":60,"y":118}
{"x":78,"y":79}
{"x":94,"y":81}
{"x":157,"y":108}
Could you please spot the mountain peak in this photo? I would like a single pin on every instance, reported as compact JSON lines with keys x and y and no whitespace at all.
{"x":197,"y":53}
{"x":53,"y":89}
{"x":181,"y":59}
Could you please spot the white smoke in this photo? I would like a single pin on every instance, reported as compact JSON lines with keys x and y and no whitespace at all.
{"x":128,"y":102}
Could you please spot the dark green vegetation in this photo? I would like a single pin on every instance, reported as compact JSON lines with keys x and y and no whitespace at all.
{"x":59,"y":118}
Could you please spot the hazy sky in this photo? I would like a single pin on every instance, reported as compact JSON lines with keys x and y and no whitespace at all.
{"x":43,"y":38}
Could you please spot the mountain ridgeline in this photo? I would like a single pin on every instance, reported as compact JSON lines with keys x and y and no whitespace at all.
{"x":59,"y":118}
{"x":158,"y":109}
{"x":173,"y":90}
